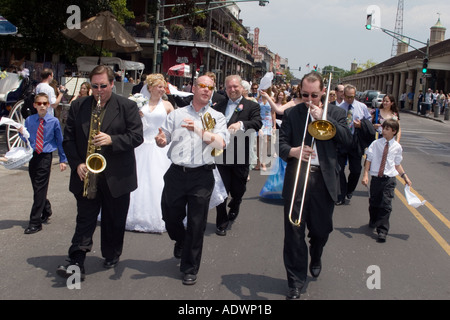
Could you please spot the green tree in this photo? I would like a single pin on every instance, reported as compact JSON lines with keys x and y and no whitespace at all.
{"x":40,"y":24}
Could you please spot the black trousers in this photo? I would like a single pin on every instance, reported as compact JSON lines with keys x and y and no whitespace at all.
{"x":192,"y":188}
{"x":113,"y":218}
{"x":349,"y":185}
{"x":382,"y":192}
{"x":234,"y":178}
{"x":318,"y":217}
{"x":39,"y":169}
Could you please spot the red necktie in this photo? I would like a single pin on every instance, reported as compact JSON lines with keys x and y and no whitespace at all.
{"x":40,"y":136}
{"x":383,"y":160}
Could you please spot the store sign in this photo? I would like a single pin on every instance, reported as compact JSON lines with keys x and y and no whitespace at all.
{"x":182,"y":60}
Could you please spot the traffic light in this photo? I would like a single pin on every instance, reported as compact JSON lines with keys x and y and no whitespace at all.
{"x":425,"y":65}
{"x":369,"y":22}
{"x":164,"y":39}
{"x":373,"y":17}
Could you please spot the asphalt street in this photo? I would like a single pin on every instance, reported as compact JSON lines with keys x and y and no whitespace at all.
{"x":247,"y":263}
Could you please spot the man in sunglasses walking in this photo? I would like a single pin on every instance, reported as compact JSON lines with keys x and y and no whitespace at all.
{"x":189,"y":181}
{"x":322,"y":184}
{"x":119,"y":133}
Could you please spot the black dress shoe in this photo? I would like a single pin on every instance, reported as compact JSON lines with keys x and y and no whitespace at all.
{"x":189,"y":279}
{"x":381,"y":237}
{"x":315,"y":268}
{"x":221,"y":231}
{"x":110,"y":263}
{"x":64,"y":272}
{"x":294,"y":293}
{"x":177,"y":250}
{"x":349,"y":196}
{"x":340,"y":202}
{"x":31,"y":230}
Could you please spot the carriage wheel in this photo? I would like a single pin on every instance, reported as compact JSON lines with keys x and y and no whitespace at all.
{"x":12,"y":134}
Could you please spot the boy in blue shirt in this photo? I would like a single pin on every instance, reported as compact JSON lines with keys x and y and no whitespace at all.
{"x":44,"y":139}
{"x":383,"y":172}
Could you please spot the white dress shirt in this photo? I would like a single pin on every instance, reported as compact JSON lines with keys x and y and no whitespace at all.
{"x":187,"y":148}
{"x":375,"y":153}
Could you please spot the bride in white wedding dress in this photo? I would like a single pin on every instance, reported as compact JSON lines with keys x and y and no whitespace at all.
{"x":144,"y":213}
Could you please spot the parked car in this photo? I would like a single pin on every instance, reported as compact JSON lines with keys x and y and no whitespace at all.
{"x":378,"y":100}
{"x":368,"y":96}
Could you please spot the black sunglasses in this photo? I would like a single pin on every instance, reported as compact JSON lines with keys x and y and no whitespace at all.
{"x":96,"y":86}
{"x":313,"y":95}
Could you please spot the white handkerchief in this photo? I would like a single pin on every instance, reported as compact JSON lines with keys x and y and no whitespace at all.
{"x":412,"y":199}
{"x":5,"y":120}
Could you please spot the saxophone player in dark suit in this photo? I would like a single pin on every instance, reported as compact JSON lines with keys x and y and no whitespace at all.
{"x":322,"y":186}
{"x":120,"y":131}
{"x":243,"y":119}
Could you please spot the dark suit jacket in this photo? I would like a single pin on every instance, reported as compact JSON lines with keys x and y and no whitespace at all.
{"x":291,"y":135}
{"x":123,"y":123}
{"x":240,"y":141}
{"x":137,"y":88}
{"x":182,"y":102}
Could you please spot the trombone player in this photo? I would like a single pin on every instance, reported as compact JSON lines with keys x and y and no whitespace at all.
{"x":322,"y":185}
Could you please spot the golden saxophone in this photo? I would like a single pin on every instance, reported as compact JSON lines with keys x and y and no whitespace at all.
{"x":95,"y":162}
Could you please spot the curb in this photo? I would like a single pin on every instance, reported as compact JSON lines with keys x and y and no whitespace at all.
{"x":425,"y":117}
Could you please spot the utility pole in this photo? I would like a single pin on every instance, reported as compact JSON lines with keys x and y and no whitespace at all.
{"x":155,"y":41}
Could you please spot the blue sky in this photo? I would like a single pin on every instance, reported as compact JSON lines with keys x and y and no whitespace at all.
{"x":332,"y":32}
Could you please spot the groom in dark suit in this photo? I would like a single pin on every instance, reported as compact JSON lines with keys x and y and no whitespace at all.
{"x":243,"y":121}
{"x":120,"y":132}
{"x":322,"y":186}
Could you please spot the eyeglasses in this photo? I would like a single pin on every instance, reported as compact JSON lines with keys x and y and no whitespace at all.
{"x":42,"y":103}
{"x":203,"y":86}
{"x":349,"y":97}
{"x":96,"y":86}
{"x":313,"y":95}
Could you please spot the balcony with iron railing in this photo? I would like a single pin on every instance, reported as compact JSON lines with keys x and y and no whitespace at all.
{"x":179,"y":32}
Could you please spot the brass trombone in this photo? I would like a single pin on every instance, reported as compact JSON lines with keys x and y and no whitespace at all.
{"x":320,"y":130}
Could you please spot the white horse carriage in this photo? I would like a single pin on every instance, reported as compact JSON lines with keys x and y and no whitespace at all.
{"x":15,"y":90}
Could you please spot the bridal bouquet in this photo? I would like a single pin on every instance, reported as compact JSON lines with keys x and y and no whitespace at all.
{"x":25,"y":73}
{"x":139,"y":99}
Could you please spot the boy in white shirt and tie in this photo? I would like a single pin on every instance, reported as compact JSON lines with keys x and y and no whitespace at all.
{"x":383,"y":164}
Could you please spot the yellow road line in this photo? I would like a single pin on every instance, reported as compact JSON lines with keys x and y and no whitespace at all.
{"x":441,"y":241}
{"x":435,"y":211}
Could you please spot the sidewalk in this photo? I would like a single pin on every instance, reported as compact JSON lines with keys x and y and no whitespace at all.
{"x":440,"y":118}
